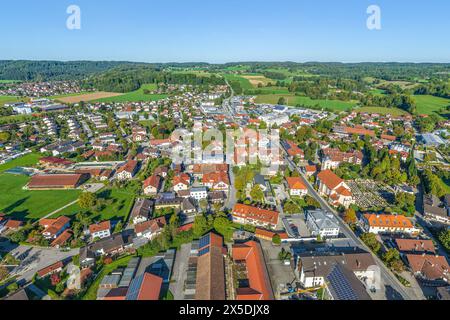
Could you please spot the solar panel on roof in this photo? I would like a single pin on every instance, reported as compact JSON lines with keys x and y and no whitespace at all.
{"x":133,"y":291}
{"x":341,"y":285}
{"x":203,"y":252}
{"x":204,"y":241}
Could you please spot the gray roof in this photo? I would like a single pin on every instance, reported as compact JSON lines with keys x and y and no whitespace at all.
{"x":344,"y":285}
{"x":320,"y":264}
{"x":322,"y":220}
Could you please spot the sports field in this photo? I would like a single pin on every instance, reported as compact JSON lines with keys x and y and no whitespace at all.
{"x":136,"y":96}
{"x":292,"y":100}
{"x":30,"y":205}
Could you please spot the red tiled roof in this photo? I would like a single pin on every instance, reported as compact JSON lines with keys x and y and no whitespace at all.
{"x":259,"y":288}
{"x":62,"y":238}
{"x":153,"y":181}
{"x":295,"y":183}
{"x":249,"y":212}
{"x":54,"y":160}
{"x":55,"y":180}
{"x":130,"y":166}
{"x":388,"y":221}
{"x":216,"y":177}
{"x":150,"y":288}
{"x":431,"y":266}
{"x":410,"y":245}
{"x":330,"y":179}
{"x":45,"y":271}
{"x":102,"y":226}
{"x":13,"y":224}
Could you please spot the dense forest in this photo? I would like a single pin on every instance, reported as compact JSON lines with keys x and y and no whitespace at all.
{"x":53,"y":70}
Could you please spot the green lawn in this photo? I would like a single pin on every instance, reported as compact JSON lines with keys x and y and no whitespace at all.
{"x":121,"y":206}
{"x":32,"y":205}
{"x":10,"y":99}
{"x":381,"y":110}
{"x":91,"y":293}
{"x":136,"y":96}
{"x":28,"y":160}
{"x":430,"y":104}
{"x":293,"y":100}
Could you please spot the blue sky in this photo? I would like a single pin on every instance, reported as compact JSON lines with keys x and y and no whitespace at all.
{"x":226,"y":30}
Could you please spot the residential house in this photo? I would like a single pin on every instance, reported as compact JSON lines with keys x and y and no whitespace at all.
{"x":142,"y":211}
{"x":245,"y":214}
{"x":431,"y":269}
{"x":181,"y":182}
{"x":152,"y":185}
{"x":100,"y":230}
{"x":54,"y":227}
{"x":296,"y":186}
{"x":387,"y":223}
{"x":150,"y":229}
{"x":127,"y":171}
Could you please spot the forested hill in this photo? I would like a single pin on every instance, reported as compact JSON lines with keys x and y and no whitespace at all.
{"x":130,"y":78}
{"x":54,"y":70}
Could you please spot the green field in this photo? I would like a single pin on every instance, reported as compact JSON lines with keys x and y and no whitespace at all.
{"x":381,"y":110}
{"x":28,"y":160}
{"x":245,"y":84}
{"x":293,"y":100}
{"x":11,"y":99}
{"x":10,"y":81}
{"x":118,"y":210}
{"x":430,"y":104}
{"x":136,"y":96}
{"x":30,"y":205}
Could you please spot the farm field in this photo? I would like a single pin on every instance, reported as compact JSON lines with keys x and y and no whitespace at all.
{"x":245,"y":83}
{"x":87,"y":97}
{"x":381,"y":110}
{"x":293,"y":100}
{"x":121,"y":206}
{"x":135,"y":96}
{"x":30,"y":205}
{"x":430,"y":104}
{"x":256,"y":79}
{"x":26,"y":161}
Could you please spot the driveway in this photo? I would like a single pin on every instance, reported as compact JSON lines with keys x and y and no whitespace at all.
{"x":180,"y":272}
{"x":34,"y":259}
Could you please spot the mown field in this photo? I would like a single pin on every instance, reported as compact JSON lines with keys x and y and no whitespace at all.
{"x":136,"y":96}
{"x":381,"y":110}
{"x":11,"y":99}
{"x":30,"y":205}
{"x":28,"y":160}
{"x":292,"y":100}
{"x":430,"y":104}
{"x":120,"y":207}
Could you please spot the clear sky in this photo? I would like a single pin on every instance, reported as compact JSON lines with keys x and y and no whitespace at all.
{"x":220,"y":31}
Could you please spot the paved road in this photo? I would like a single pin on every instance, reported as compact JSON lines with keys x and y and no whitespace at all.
{"x":34,"y":259}
{"x":387,"y":276}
